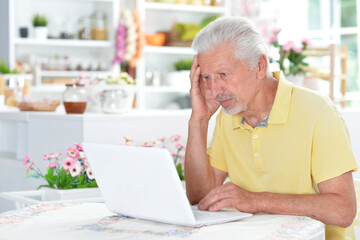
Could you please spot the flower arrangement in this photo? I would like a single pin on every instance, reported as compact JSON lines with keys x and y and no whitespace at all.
{"x":291,"y":58}
{"x":123,"y":79}
{"x":177,"y":150}
{"x":73,"y":171}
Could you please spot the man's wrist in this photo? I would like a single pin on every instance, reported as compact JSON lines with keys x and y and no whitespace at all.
{"x":195,"y":119}
{"x":260,"y":201}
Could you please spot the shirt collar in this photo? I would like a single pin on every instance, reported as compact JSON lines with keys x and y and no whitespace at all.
{"x":280,"y":109}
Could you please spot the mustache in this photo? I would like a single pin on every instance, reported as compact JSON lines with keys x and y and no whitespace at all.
{"x":221,"y":97}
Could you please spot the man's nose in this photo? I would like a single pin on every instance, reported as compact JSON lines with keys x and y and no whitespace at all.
{"x":215,"y":86}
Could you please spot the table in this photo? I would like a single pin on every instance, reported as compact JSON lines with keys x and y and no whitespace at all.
{"x":93,"y":221}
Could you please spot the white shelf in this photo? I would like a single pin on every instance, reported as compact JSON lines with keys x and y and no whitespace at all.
{"x":63,"y":42}
{"x":95,"y":1}
{"x":169,"y":50}
{"x":184,"y":8}
{"x":164,"y":89}
{"x":72,"y":73}
{"x":50,"y":88}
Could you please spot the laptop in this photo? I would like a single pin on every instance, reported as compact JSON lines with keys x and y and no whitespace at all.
{"x":143,"y":183}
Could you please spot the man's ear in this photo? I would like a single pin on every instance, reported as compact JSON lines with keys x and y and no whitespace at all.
{"x":262,"y":67}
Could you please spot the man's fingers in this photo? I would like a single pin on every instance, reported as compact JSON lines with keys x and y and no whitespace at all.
{"x":215,"y":195}
{"x":194,"y":67}
{"x":219,"y":193}
{"x":195,"y":77}
{"x":225,"y":203}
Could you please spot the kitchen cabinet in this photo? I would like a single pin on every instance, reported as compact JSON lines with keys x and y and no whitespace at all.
{"x":55,"y":58}
{"x":158,"y":61}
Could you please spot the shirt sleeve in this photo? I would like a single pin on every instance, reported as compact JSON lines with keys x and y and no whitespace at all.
{"x":215,"y":151}
{"x":332,"y":154}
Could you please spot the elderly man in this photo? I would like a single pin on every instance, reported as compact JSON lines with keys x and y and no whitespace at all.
{"x":285,"y":149}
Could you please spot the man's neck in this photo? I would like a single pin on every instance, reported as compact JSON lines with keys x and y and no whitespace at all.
{"x":261,"y":105}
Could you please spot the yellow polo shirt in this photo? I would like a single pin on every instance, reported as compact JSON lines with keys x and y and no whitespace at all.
{"x":305,"y":141}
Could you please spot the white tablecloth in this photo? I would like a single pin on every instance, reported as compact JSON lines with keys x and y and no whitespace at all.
{"x":93,"y":221}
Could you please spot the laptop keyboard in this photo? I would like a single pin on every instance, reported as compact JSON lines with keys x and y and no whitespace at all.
{"x":200,"y":215}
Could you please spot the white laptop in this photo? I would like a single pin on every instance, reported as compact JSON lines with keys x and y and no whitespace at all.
{"x":143,"y":183}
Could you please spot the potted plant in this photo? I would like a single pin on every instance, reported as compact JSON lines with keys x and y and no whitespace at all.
{"x":291,"y":58}
{"x":64,"y":173}
{"x":40,"y":26}
{"x":180,"y":77}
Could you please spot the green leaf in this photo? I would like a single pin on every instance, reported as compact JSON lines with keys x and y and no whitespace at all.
{"x":43,"y":186}
{"x":51,"y":178}
{"x":62,"y":178}
{"x":93,"y":184}
{"x":81,"y":179}
{"x":180,"y":171}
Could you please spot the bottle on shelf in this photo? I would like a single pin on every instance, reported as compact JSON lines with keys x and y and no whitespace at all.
{"x":75,"y":98}
{"x":99,"y":31}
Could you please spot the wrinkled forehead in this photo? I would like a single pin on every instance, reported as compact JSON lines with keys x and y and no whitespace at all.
{"x":218,"y":54}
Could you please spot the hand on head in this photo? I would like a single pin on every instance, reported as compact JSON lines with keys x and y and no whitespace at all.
{"x":204,"y":105}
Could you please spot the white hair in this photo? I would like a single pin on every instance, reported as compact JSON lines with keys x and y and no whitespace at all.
{"x":247,"y":43}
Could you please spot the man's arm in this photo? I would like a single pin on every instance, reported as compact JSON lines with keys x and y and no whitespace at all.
{"x":199,"y":175}
{"x":334,"y":205}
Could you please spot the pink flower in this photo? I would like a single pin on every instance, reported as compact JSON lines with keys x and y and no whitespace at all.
{"x":86,"y":163}
{"x":46,"y":157}
{"x":162,"y":139}
{"x":75,"y":171}
{"x":72,"y":152}
{"x":287,"y":46}
{"x":175,"y":138}
{"x":30,"y":167}
{"x":89,"y":173}
{"x":68,"y":163}
{"x":174,"y":154}
{"x":272,"y":39}
{"x":306,"y":41}
{"x":147,"y":143}
{"x":276,"y":31}
{"x":180,"y":146}
{"x":26,"y":160}
{"x":183,"y":163}
{"x":52,"y":165}
{"x":296,"y":49}
{"x":78,"y":146}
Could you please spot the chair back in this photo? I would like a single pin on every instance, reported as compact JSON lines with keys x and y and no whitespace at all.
{"x":333,"y":53}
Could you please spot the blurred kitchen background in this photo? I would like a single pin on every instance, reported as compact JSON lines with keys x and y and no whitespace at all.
{"x":84,"y":38}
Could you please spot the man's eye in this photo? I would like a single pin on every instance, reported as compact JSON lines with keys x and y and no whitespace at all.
{"x":223,"y":74}
{"x":207,"y":77}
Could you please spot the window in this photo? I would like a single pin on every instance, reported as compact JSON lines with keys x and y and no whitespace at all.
{"x":337,"y":21}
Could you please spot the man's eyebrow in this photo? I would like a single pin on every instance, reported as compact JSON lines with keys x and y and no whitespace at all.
{"x":221,"y":69}
{"x":203,"y":74}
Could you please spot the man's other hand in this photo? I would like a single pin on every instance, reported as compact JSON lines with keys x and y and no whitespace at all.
{"x":229,"y":195}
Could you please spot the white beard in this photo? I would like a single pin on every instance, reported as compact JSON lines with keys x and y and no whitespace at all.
{"x":235,"y":110}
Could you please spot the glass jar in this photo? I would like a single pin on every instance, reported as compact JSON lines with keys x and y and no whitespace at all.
{"x":114,"y":101}
{"x":85,"y":28}
{"x":98,"y":30}
{"x":74,"y":98}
